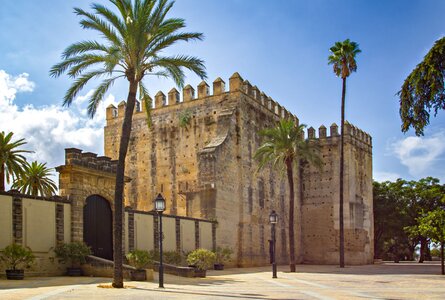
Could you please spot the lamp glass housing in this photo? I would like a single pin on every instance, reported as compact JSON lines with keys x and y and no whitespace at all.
{"x":159,"y":203}
{"x":273,"y":217}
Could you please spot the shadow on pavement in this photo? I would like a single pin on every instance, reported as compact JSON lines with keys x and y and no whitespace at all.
{"x":36,"y":282}
{"x":211,"y":294}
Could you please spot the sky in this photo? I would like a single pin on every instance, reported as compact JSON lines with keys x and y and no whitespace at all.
{"x":280,"y":46}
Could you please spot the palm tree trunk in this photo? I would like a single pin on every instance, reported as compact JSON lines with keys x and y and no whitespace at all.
{"x":300,"y":204}
{"x":342,"y":160}
{"x":2,"y":178}
{"x":118,"y":279}
{"x":290,"y":178}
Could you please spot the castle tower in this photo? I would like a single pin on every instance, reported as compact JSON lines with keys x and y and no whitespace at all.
{"x":204,"y":167}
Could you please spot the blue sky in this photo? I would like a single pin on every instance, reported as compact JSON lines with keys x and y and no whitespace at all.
{"x":280,"y":46}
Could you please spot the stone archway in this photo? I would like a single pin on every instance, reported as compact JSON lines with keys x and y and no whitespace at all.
{"x":98,"y":226}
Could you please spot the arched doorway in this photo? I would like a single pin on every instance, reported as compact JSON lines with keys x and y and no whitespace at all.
{"x":97,"y":226}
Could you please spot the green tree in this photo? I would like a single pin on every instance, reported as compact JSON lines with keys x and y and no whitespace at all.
{"x":423,"y":90}
{"x":11,"y":158}
{"x":422,"y":196}
{"x":343,"y":60}
{"x":136,"y":35}
{"x":35,"y":180}
{"x":283,"y":146}
{"x":397,"y":207}
{"x":390,"y":218}
{"x":432,"y":225}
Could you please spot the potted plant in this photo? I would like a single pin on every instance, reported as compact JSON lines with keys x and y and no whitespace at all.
{"x":201,"y":260}
{"x":222,"y":255}
{"x":141,"y":260}
{"x":17,"y":258}
{"x":74,"y":253}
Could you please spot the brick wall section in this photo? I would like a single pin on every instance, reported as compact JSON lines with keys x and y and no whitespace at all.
{"x":197,"y":234}
{"x":17,"y":220}
{"x":156,"y":231}
{"x":131,"y":237}
{"x":178,"y":234}
{"x":214,"y":225}
{"x":59,"y":223}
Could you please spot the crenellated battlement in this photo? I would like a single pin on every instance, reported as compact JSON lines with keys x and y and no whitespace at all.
{"x":236,"y":84}
{"x":74,"y":156}
{"x":350,"y":130}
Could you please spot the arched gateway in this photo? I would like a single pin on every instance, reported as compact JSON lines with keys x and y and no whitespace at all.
{"x":97,"y":226}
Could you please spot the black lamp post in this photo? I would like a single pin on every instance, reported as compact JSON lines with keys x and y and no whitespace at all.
{"x":160,"y":208}
{"x":273,"y":219}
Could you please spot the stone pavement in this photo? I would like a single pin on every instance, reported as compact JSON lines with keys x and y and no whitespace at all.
{"x":386,"y":281}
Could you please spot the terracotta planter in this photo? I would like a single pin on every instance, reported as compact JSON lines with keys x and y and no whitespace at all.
{"x":74,"y":271}
{"x":138,"y":275}
{"x":15,"y":274}
{"x":218,"y":267}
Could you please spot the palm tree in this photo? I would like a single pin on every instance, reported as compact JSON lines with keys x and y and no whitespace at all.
{"x":284,"y":146}
{"x":136,"y":34}
{"x":343,"y":60}
{"x":424,"y":90}
{"x":11,"y":158}
{"x":35,"y":180}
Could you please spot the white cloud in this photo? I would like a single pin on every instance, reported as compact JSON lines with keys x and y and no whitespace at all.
{"x":49,"y":129}
{"x":10,"y":86}
{"x":385,"y":176}
{"x":422,"y":155}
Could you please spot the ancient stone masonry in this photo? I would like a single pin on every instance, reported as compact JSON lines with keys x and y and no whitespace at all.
{"x":204,"y":167}
{"x":320,"y":194}
{"x":85,"y":174}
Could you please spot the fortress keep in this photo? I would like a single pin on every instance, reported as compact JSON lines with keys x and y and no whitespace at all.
{"x":199,"y":155}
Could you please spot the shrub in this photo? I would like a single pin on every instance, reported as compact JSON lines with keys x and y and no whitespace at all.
{"x":140,"y":259}
{"x":223,"y":255}
{"x":17,"y":257}
{"x":169,"y":257}
{"x":172,"y":257}
{"x":75,"y":252}
{"x":202,"y":259}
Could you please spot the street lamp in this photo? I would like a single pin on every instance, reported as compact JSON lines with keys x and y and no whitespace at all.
{"x":160,"y":208}
{"x":273,"y":219}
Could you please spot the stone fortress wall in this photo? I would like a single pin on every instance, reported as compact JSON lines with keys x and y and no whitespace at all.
{"x":205,"y":169}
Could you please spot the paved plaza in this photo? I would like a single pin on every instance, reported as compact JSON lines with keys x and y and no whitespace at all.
{"x":385,"y":281}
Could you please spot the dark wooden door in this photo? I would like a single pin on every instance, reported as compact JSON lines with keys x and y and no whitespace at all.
{"x":97,"y":226}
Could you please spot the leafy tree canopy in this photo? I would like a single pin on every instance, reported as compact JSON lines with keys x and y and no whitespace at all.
{"x":423,"y":90}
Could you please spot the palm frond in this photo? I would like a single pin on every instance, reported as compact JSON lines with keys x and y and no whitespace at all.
{"x":11,"y":157}
{"x":343,"y":58}
{"x":91,"y":21}
{"x":147,"y":101}
{"x":82,"y":47}
{"x":99,"y":94}
{"x":79,"y":83}
{"x":35,"y":180}
{"x":111,"y":17}
{"x":282,"y":143}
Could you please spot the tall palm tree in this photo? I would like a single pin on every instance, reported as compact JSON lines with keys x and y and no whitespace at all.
{"x":283,"y":146}
{"x":35,"y":180}
{"x":11,"y":158}
{"x":343,"y":60}
{"x":136,"y":34}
